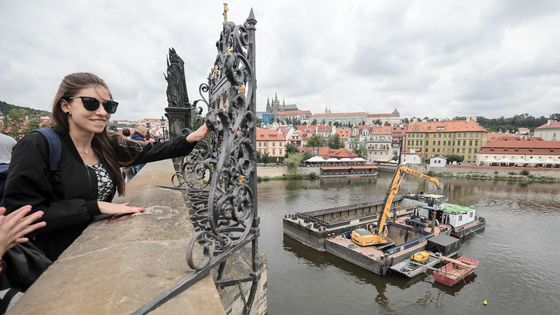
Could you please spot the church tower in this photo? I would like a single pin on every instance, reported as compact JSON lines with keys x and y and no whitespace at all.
{"x":275,"y":106}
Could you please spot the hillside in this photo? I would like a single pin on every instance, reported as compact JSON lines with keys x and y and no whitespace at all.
{"x":5,"y":108}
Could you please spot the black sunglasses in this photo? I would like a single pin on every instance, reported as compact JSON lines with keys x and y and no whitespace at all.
{"x":92,"y":104}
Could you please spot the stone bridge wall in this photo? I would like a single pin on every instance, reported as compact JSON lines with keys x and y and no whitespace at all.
{"x":119,"y":264}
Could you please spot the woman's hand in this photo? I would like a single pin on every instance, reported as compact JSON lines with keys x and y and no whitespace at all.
{"x":117,"y":208}
{"x":15,"y":225}
{"x":198,"y":134}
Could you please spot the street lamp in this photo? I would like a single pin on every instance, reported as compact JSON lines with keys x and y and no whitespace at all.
{"x":163,"y":135}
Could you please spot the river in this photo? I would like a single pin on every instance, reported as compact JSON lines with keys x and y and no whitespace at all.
{"x":519,"y":252}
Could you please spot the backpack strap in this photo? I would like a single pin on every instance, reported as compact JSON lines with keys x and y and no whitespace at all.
{"x":55,"y":147}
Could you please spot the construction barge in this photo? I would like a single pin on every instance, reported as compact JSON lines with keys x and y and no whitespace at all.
{"x":409,"y":229}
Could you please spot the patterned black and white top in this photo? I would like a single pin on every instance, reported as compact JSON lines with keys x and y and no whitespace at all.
{"x":104,"y":182}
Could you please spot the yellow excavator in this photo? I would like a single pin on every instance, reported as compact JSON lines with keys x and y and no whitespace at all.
{"x":378,"y":236}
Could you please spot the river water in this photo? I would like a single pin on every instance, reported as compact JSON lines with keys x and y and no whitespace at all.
{"x":519,"y":252}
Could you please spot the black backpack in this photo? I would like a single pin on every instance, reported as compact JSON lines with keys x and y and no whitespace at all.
{"x":25,"y":262}
{"x":55,"y":153}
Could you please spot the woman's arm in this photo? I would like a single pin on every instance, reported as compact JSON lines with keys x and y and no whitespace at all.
{"x":176,"y":147}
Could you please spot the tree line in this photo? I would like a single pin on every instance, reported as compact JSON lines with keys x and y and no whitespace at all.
{"x":18,"y":120}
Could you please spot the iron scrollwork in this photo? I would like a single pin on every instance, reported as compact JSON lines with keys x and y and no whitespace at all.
{"x":231,"y":117}
{"x":219,"y":175}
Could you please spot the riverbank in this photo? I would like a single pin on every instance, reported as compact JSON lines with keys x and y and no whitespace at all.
{"x":513,"y":174}
{"x":267,"y":173}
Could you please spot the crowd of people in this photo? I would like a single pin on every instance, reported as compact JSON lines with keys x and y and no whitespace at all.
{"x":93,"y":166}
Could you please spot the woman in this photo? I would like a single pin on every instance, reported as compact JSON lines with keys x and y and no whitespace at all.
{"x":89,"y":169}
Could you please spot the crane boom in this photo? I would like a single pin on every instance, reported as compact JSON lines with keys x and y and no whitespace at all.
{"x":380,"y":236}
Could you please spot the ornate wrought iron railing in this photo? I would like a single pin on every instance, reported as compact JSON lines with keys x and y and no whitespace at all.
{"x":219,"y":176}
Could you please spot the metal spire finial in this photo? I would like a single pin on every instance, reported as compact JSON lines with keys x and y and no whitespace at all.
{"x":225,"y":12}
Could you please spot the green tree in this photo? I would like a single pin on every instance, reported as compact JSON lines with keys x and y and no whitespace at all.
{"x":361,"y":150}
{"x":315,"y":141}
{"x":291,"y":149}
{"x":334,"y":142}
{"x":307,"y":156}
{"x":314,"y":122}
{"x":293,"y":161}
{"x":16,"y":120}
{"x":455,"y":158}
{"x":264,"y":157}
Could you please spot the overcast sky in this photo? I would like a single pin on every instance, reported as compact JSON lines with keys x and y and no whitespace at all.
{"x":426,"y":58}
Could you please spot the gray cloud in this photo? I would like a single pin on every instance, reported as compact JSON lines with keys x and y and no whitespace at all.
{"x":435,"y":58}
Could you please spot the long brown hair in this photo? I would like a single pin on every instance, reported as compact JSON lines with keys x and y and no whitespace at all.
{"x":70,"y":86}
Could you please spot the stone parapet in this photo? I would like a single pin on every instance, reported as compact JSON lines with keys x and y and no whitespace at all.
{"x":119,"y":264}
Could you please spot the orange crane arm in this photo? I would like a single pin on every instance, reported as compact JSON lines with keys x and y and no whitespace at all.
{"x":394,"y":189}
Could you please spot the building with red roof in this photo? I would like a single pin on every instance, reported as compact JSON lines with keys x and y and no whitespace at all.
{"x":444,"y":138}
{"x":549,"y":131}
{"x":531,"y":152}
{"x":271,"y":142}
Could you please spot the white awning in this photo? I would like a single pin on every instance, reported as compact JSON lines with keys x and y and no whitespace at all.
{"x":358,"y":159}
{"x":315,"y":159}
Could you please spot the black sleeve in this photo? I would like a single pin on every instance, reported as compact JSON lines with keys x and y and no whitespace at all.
{"x":150,"y":152}
{"x":28,"y":184}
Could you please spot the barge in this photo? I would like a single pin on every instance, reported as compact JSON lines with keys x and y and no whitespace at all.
{"x":328,"y":230}
{"x":380,"y":235}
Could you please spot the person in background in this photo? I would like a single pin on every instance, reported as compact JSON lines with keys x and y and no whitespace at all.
{"x":89,"y":170}
{"x":126,"y":133}
{"x":139,"y":134}
{"x":129,"y":171}
{"x":7,"y":144}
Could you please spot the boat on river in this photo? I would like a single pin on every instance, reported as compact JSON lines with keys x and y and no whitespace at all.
{"x":455,"y":270}
{"x":411,"y":268}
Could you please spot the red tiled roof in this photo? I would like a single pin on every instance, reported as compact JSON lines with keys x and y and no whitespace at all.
{"x":492,"y":136}
{"x":386,"y":130}
{"x":519,"y":146}
{"x":269,"y":135}
{"x":445,"y":126}
{"x":324,"y":128}
{"x":327,"y":152}
{"x":344,"y":132}
{"x":552,"y":125}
